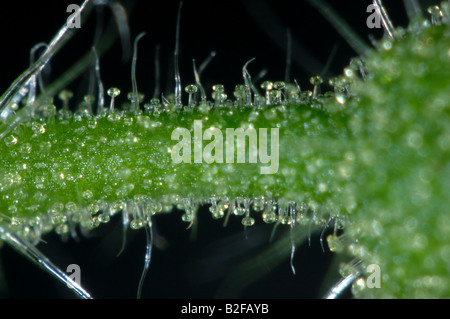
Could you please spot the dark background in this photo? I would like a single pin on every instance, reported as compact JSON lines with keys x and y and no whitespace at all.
{"x":237,"y":30}
{"x":186,"y":269}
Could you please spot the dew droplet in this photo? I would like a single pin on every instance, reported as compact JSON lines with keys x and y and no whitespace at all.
{"x":239,"y":94}
{"x":334,"y":243}
{"x":38,"y":128}
{"x":57,"y":217}
{"x":279,"y":85}
{"x":248,"y":221}
{"x":204,"y":108}
{"x":25,"y":148}
{"x":103,"y":218}
{"x":267,"y":85}
{"x":191,"y":89}
{"x":358,"y":287}
{"x":114,"y":117}
{"x":340,"y":97}
{"x":137,"y":224}
{"x":65,"y":96}
{"x":113,"y":92}
{"x":435,"y":13}
{"x":322,"y":187}
{"x":187,"y":218}
{"x":130,"y":97}
{"x":218,"y":88}
{"x":218,"y":214}
{"x":124,"y":190}
{"x":239,"y":211}
{"x":15,"y":221}
{"x":269,"y":217}
{"x":39,"y":197}
{"x":64,"y":114}
{"x":258,"y":204}
{"x":62,"y":229}
{"x":10,"y":140}
{"x":71,"y":207}
{"x":316,"y":80}
{"x":386,"y":44}
{"x":87,"y":194}
{"x":349,"y":72}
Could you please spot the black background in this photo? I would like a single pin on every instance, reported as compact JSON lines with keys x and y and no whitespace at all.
{"x":186,"y":269}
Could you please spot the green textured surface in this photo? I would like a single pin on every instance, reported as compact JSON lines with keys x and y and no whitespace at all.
{"x":116,"y":161}
{"x":402,"y":125}
{"x":382,"y":158}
